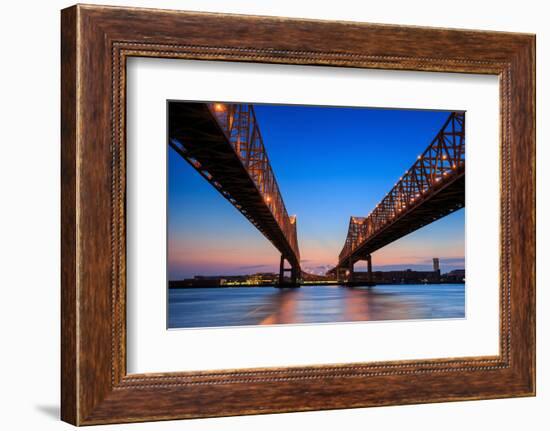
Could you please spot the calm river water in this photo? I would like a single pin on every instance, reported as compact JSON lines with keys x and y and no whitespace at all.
{"x":211,"y":307}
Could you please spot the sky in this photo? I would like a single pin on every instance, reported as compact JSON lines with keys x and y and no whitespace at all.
{"x":330,"y":163}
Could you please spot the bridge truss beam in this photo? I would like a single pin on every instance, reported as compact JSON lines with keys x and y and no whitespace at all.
{"x":431,"y":189}
{"x":223,"y":143}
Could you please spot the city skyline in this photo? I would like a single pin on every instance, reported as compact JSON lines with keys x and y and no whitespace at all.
{"x":329,"y":163}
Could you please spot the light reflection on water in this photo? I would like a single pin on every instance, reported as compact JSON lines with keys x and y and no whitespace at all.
{"x":214,"y":307}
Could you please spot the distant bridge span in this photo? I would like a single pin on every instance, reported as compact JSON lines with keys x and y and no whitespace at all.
{"x":224,"y":144}
{"x":431,"y":189}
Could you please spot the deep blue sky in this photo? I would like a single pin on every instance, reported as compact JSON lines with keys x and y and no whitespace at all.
{"x":330,"y":163}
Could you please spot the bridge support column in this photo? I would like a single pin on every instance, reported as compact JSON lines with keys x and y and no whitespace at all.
{"x":294,"y":275}
{"x":350,"y":271}
{"x":369,"y":267}
{"x":339,"y":276}
{"x":282,"y":271}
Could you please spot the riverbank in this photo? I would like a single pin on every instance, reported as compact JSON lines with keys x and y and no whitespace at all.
{"x":175,"y":285}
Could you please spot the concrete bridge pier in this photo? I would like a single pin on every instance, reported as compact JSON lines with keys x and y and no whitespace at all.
{"x":282,"y":270}
{"x":349,"y":274}
{"x":369,"y":268}
{"x":294,"y":274}
{"x":340,"y":274}
{"x":350,"y":271}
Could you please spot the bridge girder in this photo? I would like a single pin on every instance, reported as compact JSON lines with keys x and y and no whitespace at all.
{"x":223,"y":143}
{"x":431,"y":189}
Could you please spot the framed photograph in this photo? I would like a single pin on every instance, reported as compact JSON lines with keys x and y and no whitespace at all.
{"x":267,"y":215}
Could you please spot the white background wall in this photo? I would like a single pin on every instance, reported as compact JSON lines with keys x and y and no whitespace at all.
{"x":29,"y":215}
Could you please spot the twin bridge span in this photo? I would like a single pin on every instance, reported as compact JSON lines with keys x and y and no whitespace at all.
{"x":431,"y":189}
{"x":223,"y":142}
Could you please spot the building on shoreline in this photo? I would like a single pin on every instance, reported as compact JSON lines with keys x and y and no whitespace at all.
{"x":258,"y":279}
{"x":407,"y":276}
{"x":455,"y":276}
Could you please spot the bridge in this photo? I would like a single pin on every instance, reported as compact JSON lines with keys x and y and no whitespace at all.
{"x":431,"y":189}
{"x":223,"y":143}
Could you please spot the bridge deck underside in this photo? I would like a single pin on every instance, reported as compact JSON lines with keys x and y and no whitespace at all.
{"x":202,"y":139}
{"x":447,"y":199}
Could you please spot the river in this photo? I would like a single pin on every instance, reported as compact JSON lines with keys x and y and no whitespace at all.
{"x":242,"y":306}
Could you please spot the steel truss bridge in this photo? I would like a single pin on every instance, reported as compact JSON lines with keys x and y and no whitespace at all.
{"x":431,"y":189}
{"x":224,"y":144}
